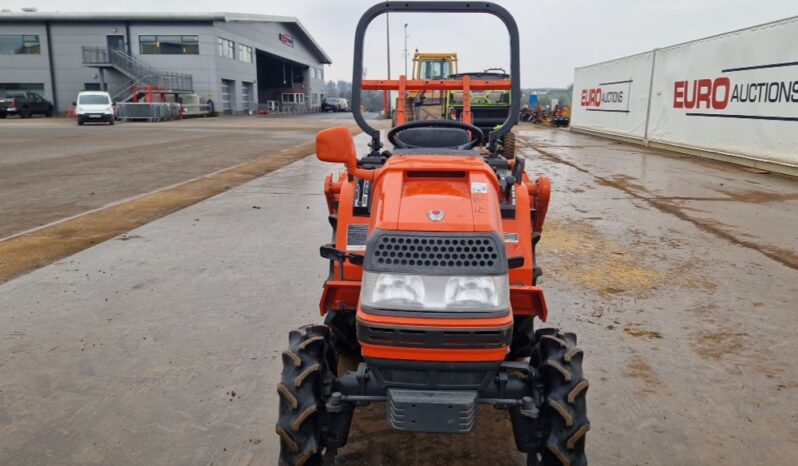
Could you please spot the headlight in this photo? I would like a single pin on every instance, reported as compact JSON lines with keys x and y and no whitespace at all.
{"x":471,"y":293}
{"x":398,"y":290}
{"x":435,"y":293}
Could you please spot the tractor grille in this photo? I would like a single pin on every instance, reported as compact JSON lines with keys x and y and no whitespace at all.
{"x":434,"y":338}
{"x":436,"y":253}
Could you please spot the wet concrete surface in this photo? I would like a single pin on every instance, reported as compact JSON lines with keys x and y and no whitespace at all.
{"x":130,"y":352}
{"x":51,"y":169}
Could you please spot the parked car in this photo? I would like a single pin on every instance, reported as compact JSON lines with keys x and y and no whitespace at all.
{"x":94,"y":107}
{"x":25,"y":104}
{"x":334,"y":104}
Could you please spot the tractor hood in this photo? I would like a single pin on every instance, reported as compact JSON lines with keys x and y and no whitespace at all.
{"x":436,"y":193}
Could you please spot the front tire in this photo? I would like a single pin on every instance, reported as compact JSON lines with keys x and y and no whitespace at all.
{"x":564,"y":411}
{"x":309,"y":365}
{"x":49,"y":112}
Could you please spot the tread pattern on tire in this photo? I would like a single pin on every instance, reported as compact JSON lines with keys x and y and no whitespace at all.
{"x":560,"y":362}
{"x":308,"y":359}
{"x":508,"y":146}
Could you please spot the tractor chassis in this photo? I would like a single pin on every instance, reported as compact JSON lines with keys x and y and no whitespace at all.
{"x":431,"y":407}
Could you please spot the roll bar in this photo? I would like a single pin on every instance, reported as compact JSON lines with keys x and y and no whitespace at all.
{"x":402,"y":84}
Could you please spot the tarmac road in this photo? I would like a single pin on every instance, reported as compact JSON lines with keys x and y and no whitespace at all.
{"x":51,"y":169}
{"x":162,"y":346}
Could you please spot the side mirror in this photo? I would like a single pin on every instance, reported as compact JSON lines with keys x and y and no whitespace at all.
{"x":74,"y":104}
{"x":336,"y":145}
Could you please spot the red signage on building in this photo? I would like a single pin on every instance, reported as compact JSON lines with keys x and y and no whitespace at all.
{"x":287,"y":39}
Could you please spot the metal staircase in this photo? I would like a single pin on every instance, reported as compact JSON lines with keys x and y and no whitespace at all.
{"x":138,"y":74}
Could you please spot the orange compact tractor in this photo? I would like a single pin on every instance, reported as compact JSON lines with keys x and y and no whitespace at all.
{"x":432,"y":284}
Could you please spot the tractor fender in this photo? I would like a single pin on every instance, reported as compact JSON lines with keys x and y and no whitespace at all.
{"x":540,"y":193}
{"x":332,"y":190}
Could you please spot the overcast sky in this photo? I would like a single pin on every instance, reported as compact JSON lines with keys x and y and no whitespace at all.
{"x":556,"y":35}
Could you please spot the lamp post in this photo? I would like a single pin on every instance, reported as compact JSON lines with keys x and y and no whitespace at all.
{"x":388,"y":55}
{"x":406,"y":49}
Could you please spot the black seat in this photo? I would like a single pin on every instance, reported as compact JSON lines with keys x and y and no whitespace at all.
{"x":434,"y":137}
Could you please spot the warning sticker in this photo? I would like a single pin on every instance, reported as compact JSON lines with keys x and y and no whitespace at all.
{"x":356,"y":237}
{"x":479,"y":188}
{"x":511,"y":237}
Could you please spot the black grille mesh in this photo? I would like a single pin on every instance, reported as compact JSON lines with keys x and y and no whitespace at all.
{"x":434,"y":252}
{"x":469,"y":253}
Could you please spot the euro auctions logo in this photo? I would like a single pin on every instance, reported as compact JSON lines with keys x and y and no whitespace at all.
{"x":591,"y":97}
{"x":607,"y":97}
{"x":594,"y":97}
{"x":712,"y":93}
{"x":752,"y":92}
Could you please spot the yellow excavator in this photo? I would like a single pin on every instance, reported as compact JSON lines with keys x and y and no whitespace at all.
{"x":428,"y":105}
{"x":434,"y":65}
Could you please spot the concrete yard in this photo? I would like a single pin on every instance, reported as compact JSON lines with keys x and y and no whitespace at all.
{"x":51,"y":169}
{"x":162,"y":346}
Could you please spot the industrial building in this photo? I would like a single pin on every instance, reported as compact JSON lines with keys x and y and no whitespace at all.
{"x":241,"y":62}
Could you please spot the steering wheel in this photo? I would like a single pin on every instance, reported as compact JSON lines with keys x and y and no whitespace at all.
{"x":477,"y":136}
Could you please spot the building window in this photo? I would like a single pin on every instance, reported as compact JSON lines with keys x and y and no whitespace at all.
{"x":226,"y":47}
{"x":245,"y":53}
{"x":293,"y":98}
{"x":20,"y":45}
{"x":20,"y":87}
{"x":169,"y":45}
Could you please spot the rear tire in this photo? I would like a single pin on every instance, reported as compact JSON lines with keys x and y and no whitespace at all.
{"x":49,"y":112}
{"x":508,"y":146}
{"x":309,"y":365}
{"x":24,"y":113}
{"x":565,"y":405}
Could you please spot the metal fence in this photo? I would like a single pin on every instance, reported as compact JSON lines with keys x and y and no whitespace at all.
{"x":129,"y":111}
{"x":95,"y":56}
{"x":287,"y":108}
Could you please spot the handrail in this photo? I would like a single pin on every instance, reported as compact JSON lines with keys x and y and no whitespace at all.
{"x":128,"y":63}
{"x":167,"y":81}
{"x":139,"y":73}
{"x":94,"y":55}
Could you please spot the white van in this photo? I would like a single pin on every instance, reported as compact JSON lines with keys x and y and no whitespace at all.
{"x":94,"y":106}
